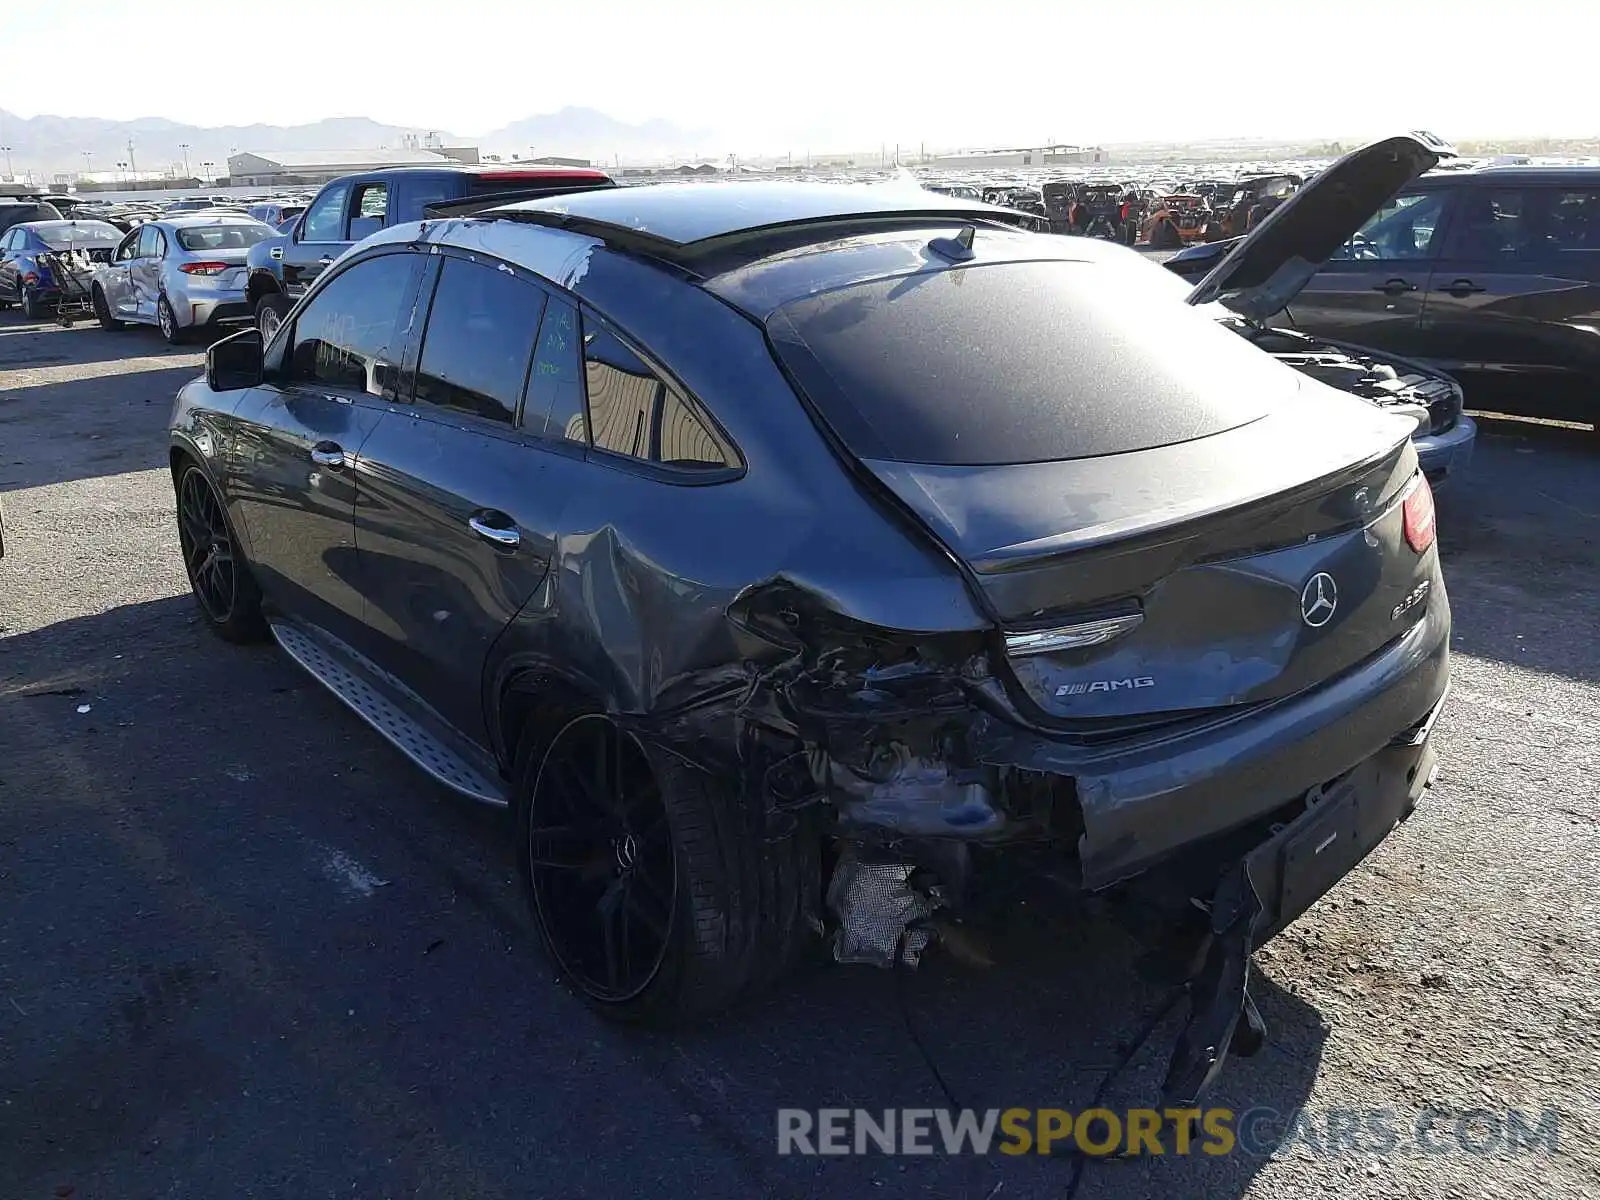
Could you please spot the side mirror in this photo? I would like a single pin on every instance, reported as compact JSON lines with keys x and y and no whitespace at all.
{"x":235,"y":362}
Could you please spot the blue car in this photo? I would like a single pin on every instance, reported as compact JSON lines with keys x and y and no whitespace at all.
{"x":27,"y":276}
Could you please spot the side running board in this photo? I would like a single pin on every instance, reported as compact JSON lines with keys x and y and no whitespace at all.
{"x":394,"y":711}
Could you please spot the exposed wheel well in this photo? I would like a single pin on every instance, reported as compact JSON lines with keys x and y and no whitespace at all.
{"x":177,"y":460}
{"x":258,"y":287}
{"x":533,"y":709}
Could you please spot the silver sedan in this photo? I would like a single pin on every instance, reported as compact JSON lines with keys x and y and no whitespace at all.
{"x":179,"y":274}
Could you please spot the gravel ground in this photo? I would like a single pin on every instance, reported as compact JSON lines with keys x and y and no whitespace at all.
{"x":246,"y":950}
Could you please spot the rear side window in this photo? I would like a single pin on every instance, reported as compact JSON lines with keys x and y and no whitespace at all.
{"x":369,"y":210}
{"x":1020,"y":362}
{"x":1491,"y":223}
{"x":349,"y":335}
{"x":634,"y":412}
{"x":623,"y":392}
{"x":1574,"y":222}
{"x":554,"y":405}
{"x":478,"y":341}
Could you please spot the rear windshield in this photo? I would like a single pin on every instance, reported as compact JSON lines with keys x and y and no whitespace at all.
{"x":223,"y":237}
{"x":65,"y":237}
{"x":1021,"y":362}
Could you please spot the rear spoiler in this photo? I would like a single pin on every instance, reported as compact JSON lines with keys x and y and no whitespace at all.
{"x":467,"y":205}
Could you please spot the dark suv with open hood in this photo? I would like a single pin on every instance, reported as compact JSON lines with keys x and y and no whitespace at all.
{"x":1258,"y":285}
{"x":800,"y":557}
{"x":1491,"y":274}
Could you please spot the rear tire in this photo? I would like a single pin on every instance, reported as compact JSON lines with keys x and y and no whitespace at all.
{"x":167,"y":322}
{"x":102,"y":311}
{"x":33,"y":307}
{"x":270,"y":311}
{"x":742,"y":898}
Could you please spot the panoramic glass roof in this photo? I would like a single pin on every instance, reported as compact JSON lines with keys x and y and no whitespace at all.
{"x":691,"y":212}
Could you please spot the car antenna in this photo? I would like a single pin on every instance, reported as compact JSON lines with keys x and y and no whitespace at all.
{"x":958,"y":248}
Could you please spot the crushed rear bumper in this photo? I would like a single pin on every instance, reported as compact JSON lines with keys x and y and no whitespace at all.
{"x":1277,"y":882}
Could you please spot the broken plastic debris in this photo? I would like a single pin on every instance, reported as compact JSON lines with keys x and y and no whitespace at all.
{"x":83,"y":708}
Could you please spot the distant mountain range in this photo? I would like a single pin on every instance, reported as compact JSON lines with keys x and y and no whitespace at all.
{"x":49,"y":146}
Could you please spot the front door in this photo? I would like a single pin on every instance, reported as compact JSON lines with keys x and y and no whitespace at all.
{"x":1371,"y":291}
{"x":459,"y":507}
{"x":318,"y":239}
{"x":116,"y":282}
{"x":297,"y":453}
{"x":144,"y":273}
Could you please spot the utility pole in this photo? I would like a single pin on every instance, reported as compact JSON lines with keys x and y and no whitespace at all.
{"x":133,"y":167}
{"x":184,"y":146}
{"x":88,"y":162}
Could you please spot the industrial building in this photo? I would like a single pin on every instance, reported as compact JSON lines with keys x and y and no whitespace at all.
{"x":1036,"y":156}
{"x":281,"y":168}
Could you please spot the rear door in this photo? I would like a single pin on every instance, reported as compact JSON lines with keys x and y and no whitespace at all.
{"x":1511,"y":303}
{"x":1371,"y":291}
{"x":319,"y":238}
{"x":460,"y":505}
{"x":297,"y":449}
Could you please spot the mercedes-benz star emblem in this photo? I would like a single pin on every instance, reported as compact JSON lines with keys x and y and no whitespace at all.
{"x":1318,"y":599}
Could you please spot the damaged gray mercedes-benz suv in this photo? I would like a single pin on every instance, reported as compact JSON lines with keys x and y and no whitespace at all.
{"x":797,"y":560}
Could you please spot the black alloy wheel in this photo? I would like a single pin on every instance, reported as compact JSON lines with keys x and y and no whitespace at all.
{"x":207,"y":548}
{"x":600,"y":860}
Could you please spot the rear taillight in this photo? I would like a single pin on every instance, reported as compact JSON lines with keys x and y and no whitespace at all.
{"x":203,"y":268}
{"x":1417,"y":507}
{"x":31,"y":278}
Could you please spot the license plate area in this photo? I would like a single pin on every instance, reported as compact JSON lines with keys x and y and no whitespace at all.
{"x":1321,"y":853}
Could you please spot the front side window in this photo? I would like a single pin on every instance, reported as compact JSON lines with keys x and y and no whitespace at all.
{"x":350,"y":334}
{"x":325,"y":221}
{"x":479,"y":339}
{"x":1404,"y":229}
{"x":129,"y":249}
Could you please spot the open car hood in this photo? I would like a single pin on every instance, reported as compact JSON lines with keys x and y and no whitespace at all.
{"x":1268,"y":269}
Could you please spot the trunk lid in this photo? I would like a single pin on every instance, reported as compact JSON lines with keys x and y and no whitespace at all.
{"x":1269,"y":268}
{"x":1226,"y":571}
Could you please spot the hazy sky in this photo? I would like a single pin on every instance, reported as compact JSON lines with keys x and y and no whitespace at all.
{"x":808,"y":72}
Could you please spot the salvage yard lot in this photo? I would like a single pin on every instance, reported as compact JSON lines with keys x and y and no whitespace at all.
{"x":245,"y":949}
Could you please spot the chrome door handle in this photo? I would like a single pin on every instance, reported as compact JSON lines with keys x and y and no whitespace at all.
{"x":325,"y":261}
{"x":326,"y":454}
{"x":498,"y":534}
